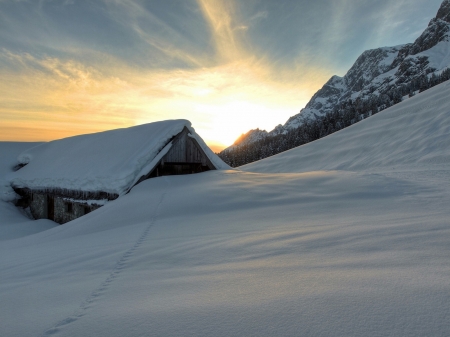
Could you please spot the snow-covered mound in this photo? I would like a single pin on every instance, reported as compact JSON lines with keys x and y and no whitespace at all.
{"x":410,"y":134}
{"x":8,"y":155}
{"x":13,"y":222}
{"x":108,"y":161}
{"x":8,"y":162}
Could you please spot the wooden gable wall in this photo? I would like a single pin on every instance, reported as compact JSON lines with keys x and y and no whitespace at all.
{"x":186,"y":150}
{"x":184,"y":157}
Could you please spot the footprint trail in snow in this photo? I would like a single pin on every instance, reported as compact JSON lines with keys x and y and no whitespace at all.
{"x":96,"y":295}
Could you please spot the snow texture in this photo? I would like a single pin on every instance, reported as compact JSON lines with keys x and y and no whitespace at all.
{"x":110,"y":161}
{"x":349,"y":237}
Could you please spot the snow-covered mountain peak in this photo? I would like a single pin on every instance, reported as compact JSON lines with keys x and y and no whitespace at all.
{"x":250,"y":137}
{"x":361,"y":77}
{"x":379,"y":71}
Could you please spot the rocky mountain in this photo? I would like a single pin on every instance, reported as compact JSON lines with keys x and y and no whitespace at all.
{"x":377,"y":69}
{"x":249,"y":137}
{"x":255,"y":135}
{"x":370,"y":71}
{"x":375,"y":73}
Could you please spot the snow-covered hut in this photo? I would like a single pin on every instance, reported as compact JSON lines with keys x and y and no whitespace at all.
{"x":65,"y":179}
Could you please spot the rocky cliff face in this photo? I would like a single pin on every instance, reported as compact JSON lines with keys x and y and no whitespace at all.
{"x":444,"y":12}
{"x":367,"y":74}
{"x":375,"y":71}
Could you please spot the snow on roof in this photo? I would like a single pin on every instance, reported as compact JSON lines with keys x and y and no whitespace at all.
{"x":110,"y":161}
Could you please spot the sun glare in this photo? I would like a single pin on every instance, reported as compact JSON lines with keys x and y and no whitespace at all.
{"x":232,"y":93}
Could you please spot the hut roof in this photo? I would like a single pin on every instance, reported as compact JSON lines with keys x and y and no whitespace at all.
{"x":110,"y":161}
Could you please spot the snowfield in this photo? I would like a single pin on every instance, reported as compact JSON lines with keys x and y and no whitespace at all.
{"x":346,"y":236}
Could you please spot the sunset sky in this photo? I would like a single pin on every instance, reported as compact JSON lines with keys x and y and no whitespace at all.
{"x":70,"y":67}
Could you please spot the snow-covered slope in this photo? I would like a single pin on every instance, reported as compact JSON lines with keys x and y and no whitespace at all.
{"x":410,"y":134}
{"x":109,"y":161}
{"x":362,"y":250}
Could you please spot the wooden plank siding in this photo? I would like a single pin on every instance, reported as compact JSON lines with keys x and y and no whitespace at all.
{"x":186,"y":150}
{"x":184,"y":157}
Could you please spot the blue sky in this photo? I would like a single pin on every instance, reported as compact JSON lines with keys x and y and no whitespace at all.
{"x":80,"y":66}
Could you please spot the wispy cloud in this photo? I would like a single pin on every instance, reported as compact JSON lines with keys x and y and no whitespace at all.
{"x":222,"y":18}
{"x":154,"y":32}
{"x":259,"y":16}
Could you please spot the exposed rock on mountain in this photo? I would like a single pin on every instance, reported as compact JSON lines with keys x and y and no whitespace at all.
{"x":366,"y":75}
{"x":250,"y":137}
{"x":444,"y":11}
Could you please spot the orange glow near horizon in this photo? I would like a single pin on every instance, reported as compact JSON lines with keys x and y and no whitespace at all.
{"x":229,"y":95}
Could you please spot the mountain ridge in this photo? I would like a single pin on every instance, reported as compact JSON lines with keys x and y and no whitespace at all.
{"x":374,"y":73}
